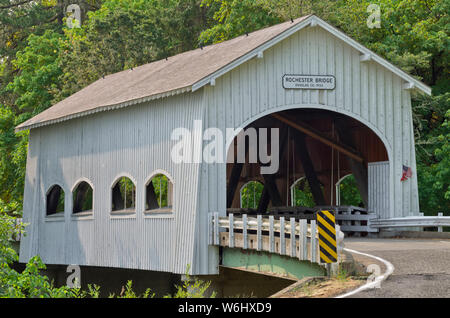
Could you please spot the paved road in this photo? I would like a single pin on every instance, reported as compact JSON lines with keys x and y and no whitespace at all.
{"x":422,"y":266}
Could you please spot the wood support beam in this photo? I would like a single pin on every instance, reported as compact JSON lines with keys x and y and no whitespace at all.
{"x":233,"y":182}
{"x":359,"y":169}
{"x":53,"y":199}
{"x":236,"y":172}
{"x":80,"y":196}
{"x":271,"y":186}
{"x":151,"y":199}
{"x":263,"y":201}
{"x":270,"y":190}
{"x":308,"y":168}
{"x":117,"y":198}
{"x":307,"y":130}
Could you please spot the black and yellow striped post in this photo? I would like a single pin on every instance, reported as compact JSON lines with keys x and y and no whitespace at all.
{"x":327,"y":237}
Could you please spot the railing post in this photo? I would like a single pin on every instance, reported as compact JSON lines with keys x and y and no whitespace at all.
{"x":244,"y":231}
{"x":313,"y":242}
{"x":231,"y":229}
{"x":271,"y":235}
{"x":282,"y":237}
{"x":259,"y":232}
{"x":304,"y":239}
{"x":371,"y":216}
{"x":293,"y":245}
{"x":339,"y":241}
{"x":348,"y":212}
{"x":216,"y":229}
{"x":210,"y":229}
{"x":357,"y":223}
{"x":440,"y":227}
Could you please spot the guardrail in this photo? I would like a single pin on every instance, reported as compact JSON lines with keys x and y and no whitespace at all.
{"x":285,"y":237}
{"x":352,"y":219}
{"x":355,"y":221}
{"x":413,"y":221}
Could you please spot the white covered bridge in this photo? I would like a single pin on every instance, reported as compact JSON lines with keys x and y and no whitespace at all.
{"x":102,"y":188}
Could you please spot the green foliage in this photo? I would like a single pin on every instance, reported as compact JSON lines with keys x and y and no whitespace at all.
{"x":192,"y":288}
{"x":349,"y":193}
{"x":8,"y":230}
{"x":342,"y":274}
{"x":39,"y":72}
{"x":12,"y":162}
{"x":302,"y":194}
{"x":236,"y":17}
{"x":29,"y":283}
{"x":128,"y":192}
{"x":127,"y":33}
{"x":251,"y":194}
{"x":434,"y":180}
{"x":93,"y":291}
{"x":61,"y":201}
{"x":88,"y":198}
{"x":127,"y":292}
{"x":161,"y":185}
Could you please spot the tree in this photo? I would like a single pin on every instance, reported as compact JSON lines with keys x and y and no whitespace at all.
{"x":30,"y":45}
{"x":434,"y":179}
{"x":125,"y":34}
{"x":29,"y":283}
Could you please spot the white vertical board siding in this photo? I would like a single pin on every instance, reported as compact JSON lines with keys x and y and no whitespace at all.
{"x":135,"y":142}
{"x":378,"y":188}
{"x":364,"y":90}
{"x":28,"y":247}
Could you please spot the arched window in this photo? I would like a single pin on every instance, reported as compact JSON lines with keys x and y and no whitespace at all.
{"x":347,"y":192}
{"x":251,"y":194}
{"x":301,"y":193}
{"x":55,"y":200}
{"x":159,"y":194}
{"x":82,"y":198}
{"x":124,"y":195}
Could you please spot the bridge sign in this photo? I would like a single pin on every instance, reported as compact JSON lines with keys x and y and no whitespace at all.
{"x":309,"y":81}
{"x":327,"y":236}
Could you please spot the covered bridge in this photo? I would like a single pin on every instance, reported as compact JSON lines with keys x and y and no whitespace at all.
{"x":102,"y":188}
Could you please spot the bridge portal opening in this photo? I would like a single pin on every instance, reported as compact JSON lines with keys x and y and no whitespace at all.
{"x":323,"y":162}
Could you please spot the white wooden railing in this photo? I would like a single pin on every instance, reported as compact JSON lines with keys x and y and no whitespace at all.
{"x":353,"y":219}
{"x":282,"y":236}
{"x":356,"y":222}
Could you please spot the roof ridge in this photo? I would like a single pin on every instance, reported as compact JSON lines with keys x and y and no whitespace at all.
{"x":212,"y":45}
